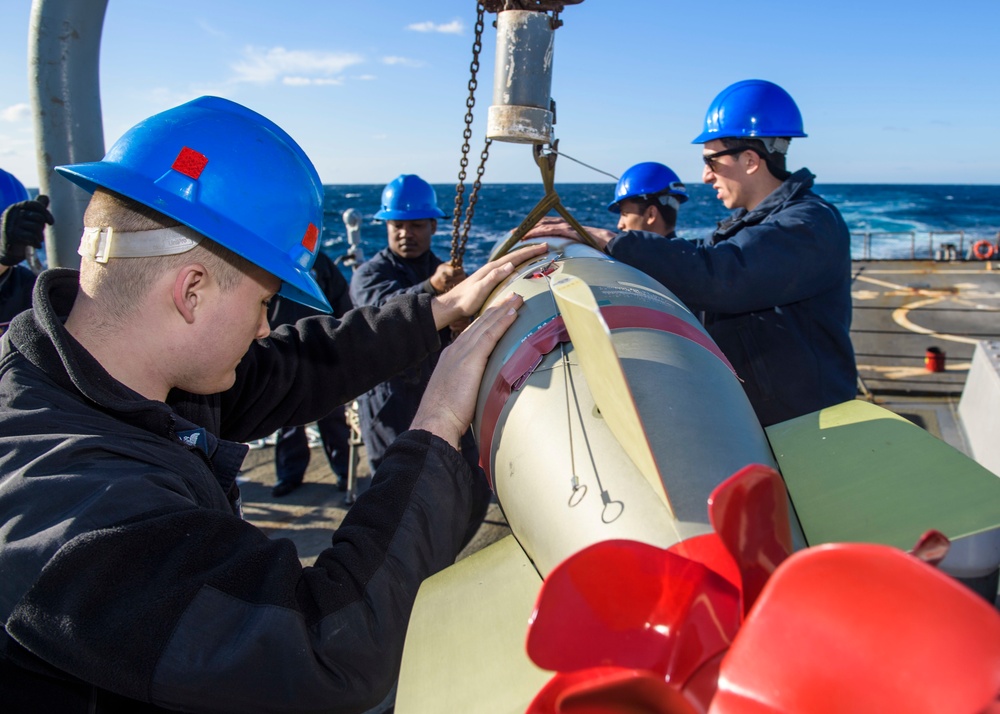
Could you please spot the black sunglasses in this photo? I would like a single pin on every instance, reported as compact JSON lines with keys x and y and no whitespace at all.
{"x":709,"y":159}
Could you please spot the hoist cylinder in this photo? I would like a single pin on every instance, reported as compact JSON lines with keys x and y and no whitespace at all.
{"x":522,"y":80}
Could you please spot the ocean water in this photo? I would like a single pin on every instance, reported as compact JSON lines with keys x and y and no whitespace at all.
{"x":899,"y":221}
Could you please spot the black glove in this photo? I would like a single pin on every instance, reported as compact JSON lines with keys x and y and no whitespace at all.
{"x":23,"y":225}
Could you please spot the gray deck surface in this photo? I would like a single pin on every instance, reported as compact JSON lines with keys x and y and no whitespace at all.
{"x":309,"y":515}
{"x":903,"y":307}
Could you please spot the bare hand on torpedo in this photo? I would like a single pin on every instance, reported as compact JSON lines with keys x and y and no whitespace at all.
{"x":465,"y":299}
{"x":449,"y":401}
{"x":553,"y":227}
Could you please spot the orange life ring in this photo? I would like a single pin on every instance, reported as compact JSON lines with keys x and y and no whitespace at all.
{"x":983,"y":249}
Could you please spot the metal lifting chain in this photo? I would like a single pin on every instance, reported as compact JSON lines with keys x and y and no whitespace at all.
{"x":459,"y":237}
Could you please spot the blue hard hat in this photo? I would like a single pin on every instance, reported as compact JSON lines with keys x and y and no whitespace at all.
{"x":647,"y":179}
{"x":230,"y":174}
{"x":11,"y":190}
{"x":751,"y":108}
{"x":408,"y":198}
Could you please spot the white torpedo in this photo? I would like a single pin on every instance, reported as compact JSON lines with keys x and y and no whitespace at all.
{"x":674,"y":421}
{"x":607,"y":414}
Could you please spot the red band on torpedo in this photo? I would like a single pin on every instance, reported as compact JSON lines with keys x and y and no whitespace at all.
{"x":539,"y":343}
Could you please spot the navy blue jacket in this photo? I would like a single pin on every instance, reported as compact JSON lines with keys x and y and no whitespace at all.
{"x":128,"y":575}
{"x":387,"y":410}
{"x":775,"y":286}
{"x":15,"y":293}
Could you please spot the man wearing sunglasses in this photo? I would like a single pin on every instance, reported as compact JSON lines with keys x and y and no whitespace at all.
{"x":773,"y":282}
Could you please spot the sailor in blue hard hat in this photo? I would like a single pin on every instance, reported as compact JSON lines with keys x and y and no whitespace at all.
{"x":410,"y":211}
{"x":131,"y":581}
{"x":647,"y":198}
{"x":407,"y":266}
{"x":773,"y":282}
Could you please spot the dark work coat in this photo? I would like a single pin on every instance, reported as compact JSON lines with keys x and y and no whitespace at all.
{"x":775,"y":286}
{"x":130,"y":580}
{"x":387,"y":410}
{"x":15,"y":293}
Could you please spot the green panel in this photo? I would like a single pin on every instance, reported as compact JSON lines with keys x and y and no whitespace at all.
{"x":465,"y":644}
{"x":859,"y":473}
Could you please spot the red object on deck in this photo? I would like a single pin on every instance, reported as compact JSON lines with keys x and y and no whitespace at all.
{"x":934,"y":359}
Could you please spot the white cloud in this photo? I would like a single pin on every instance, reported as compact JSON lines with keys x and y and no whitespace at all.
{"x":455,"y":27}
{"x":310,"y":81}
{"x":16,"y":113}
{"x":402,"y":61}
{"x":263,"y":66}
{"x":17,"y":156}
{"x":209,"y":29}
{"x":366,"y":77}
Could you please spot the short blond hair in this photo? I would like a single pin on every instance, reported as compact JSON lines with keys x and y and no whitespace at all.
{"x":122,"y":283}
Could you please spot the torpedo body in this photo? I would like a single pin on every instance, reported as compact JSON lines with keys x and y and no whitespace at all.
{"x":606,"y":416}
{"x":565,"y":471}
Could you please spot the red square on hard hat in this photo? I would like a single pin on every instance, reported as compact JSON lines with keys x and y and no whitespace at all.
{"x":309,"y":239}
{"x":190,"y":163}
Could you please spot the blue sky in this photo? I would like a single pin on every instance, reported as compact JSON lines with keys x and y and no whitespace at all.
{"x":890,"y":92}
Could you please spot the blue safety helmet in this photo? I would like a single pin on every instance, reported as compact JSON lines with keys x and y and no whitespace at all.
{"x":408,"y":198}
{"x":752,"y":108}
{"x":11,"y":190}
{"x":647,"y":180}
{"x":231,"y":175}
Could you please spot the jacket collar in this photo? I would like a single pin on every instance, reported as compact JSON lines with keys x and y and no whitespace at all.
{"x":420,"y":268}
{"x":40,"y":336}
{"x":43,"y":339}
{"x":793,"y":186}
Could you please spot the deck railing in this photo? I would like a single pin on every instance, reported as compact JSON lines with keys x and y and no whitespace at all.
{"x":938,"y":248}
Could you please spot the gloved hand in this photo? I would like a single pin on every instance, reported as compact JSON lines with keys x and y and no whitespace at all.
{"x":23,"y":225}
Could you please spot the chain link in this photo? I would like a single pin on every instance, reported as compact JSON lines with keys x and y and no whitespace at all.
{"x":456,"y":258}
{"x":460,"y":231}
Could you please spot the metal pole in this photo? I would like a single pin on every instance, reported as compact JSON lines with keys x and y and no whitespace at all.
{"x":63,"y":76}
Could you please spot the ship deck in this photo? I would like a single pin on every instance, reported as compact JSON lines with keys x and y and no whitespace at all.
{"x":309,"y":515}
{"x":902,"y":308}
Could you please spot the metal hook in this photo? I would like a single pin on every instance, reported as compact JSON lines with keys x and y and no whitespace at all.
{"x":610,"y":507}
